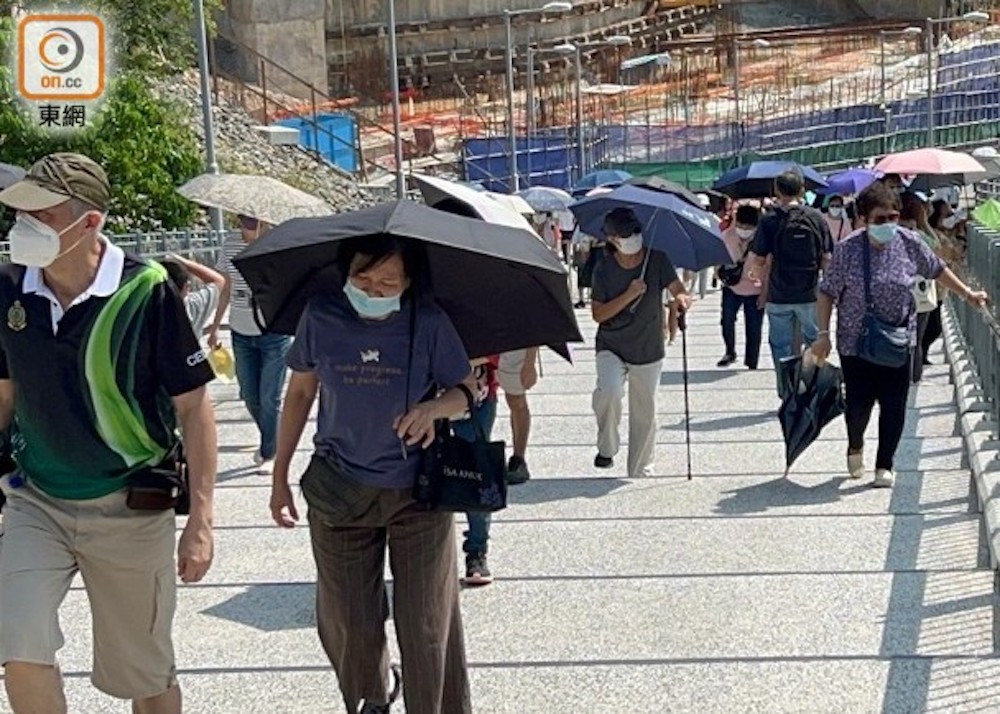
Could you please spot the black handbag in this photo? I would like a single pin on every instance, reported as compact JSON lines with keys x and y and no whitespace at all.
{"x":732,"y":274}
{"x":457,"y":475}
{"x":881,"y":342}
{"x":162,"y":487}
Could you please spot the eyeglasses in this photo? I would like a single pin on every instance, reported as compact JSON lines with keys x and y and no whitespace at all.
{"x":249,"y":222}
{"x":888,"y":218}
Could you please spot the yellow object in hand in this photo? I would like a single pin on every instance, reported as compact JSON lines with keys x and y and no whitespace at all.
{"x":222,"y":362}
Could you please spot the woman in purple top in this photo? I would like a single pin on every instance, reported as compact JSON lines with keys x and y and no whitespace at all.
{"x":899,"y":258}
{"x":373,"y":352}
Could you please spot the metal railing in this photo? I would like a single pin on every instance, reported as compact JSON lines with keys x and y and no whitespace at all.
{"x":198,"y":244}
{"x":979,"y":327}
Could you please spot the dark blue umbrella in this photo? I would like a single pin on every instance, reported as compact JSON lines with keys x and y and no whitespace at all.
{"x":756,"y":179}
{"x":689,"y":236}
{"x":850,"y":182}
{"x":604,"y":177}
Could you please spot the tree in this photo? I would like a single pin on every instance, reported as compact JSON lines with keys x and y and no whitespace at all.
{"x":142,"y":142}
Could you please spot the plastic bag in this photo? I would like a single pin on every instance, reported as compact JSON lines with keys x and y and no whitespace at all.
{"x":222,"y":362}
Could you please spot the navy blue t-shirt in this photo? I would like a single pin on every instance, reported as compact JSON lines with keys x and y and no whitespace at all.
{"x":361,"y":366}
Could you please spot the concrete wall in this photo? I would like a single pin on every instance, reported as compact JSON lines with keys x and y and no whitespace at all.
{"x":292,"y":34}
{"x":371,"y":12}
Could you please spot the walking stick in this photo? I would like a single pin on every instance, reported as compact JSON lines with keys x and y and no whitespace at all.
{"x":682,"y":326}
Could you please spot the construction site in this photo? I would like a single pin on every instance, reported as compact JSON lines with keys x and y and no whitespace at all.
{"x":677,"y":88}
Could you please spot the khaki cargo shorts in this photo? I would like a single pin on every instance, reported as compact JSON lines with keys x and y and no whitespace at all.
{"x":126,"y":560}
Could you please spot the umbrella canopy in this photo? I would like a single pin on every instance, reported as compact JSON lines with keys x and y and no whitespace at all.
{"x":9,"y":175}
{"x":655,"y":183}
{"x":988,"y":213}
{"x":502,"y":289}
{"x":756,"y":179}
{"x":604,"y":177}
{"x":934,"y":168}
{"x":814,"y":396}
{"x":513,"y":202}
{"x":261,"y":197}
{"x":437,"y":190}
{"x":545,"y":198}
{"x":689,"y":236}
{"x":850,"y":182}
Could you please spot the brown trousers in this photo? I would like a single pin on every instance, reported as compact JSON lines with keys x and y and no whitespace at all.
{"x":350,"y":526}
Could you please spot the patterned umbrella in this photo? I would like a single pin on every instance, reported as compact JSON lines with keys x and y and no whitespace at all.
{"x":260,"y":197}
{"x":547,"y":199}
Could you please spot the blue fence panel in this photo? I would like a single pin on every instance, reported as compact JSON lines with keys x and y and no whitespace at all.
{"x":336,"y":139}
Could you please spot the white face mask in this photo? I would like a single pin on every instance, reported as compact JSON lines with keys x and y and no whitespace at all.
{"x":745,"y":233}
{"x":36,"y":244}
{"x":836,"y":211}
{"x":630,"y":245}
{"x":949,"y":222}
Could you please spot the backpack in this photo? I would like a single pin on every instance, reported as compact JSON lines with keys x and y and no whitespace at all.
{"x":798,"y":248}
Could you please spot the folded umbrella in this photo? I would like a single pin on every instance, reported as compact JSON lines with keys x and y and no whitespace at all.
{"x":689,"y":236}
{"x":814,"y":396}
{"x":502,"y":289}
{"x":261,"y":197}
{"x":756,"y":179}
{"x":655,"y":183}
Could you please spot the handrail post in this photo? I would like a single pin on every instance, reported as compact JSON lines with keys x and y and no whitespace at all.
{"x":263,"y":88}
{"x":315,"y":121}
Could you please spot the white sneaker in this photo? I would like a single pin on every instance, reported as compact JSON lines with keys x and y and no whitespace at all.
{"x":264,"y":466}
{"x":884,"y":478}
{"x":856,"y":465}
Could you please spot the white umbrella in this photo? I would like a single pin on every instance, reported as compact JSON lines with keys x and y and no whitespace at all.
{"x":513,"y":202}
{"x":435,"y":190}
{"x":261,"y":197}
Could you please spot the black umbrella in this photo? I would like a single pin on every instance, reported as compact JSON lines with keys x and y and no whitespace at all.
{"x":756,"y":179}
{"x":814,"y":396}
{"x":502,"y":289}
{"x":10,"y":175}
{"x":655,"y":183}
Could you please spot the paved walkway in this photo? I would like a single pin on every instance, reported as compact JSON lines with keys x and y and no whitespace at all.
{"x":738,"y":591}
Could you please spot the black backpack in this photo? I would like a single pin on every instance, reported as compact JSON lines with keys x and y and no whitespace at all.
{"x":798,"y":248}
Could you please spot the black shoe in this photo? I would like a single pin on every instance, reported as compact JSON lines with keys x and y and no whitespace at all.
{"x":477,"y":571}
{"x":927,"y":362}
{"x":517,"y":471}
{"x":397,"y":684}
{"x":603,"y":462}
{"x":580,"y":305}
{"x":752,"y":367}
{"x":726,"y":361}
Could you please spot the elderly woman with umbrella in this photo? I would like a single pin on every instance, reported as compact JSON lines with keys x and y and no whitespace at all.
{"x":870,"y":280}
{"x":387,"y":312}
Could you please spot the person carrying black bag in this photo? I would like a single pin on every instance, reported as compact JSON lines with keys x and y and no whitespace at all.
{"x":741,"y":288}
{"x":870,"y":280}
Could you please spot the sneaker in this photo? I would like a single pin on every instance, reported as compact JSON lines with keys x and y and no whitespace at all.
{"x":603,"y":462}
{"x":884,"y":478}
{"x":580,"y":305}
{"x":726,"y":361}
{"x":397,"y":684}
{"x":856,"y":465}
{"x":477,"y":571}
{"x":264,"y":466}
{"x":517,"y":471}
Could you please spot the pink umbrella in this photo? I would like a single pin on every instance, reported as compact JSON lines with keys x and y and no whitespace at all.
{"x":933,"y":162}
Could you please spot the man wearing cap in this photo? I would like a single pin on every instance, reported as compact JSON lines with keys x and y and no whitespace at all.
{"x":98,"y":363}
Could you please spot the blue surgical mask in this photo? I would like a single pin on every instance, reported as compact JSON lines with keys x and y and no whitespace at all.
{"x":884,"y":233}
{"x":371,"y":308}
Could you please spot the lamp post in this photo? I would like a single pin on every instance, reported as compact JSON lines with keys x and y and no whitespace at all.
{"x":662,"y":59}
{"x":613,"y":41}
{"x":508,"y":16}
{"x":206,"y":103}
{"x":929,"y":37}
{"x":886,"y":112}
{"x":737,"y":41}
{"x":396,"y":110}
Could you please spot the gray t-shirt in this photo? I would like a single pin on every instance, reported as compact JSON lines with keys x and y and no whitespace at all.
{"x":635,"y":336}
{"x":201,"y":305}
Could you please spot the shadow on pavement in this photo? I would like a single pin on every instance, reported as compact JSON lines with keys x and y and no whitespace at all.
{"x":675,"y":378}
{"x":723,"y":423}
{"x":782,"y":492}
{"x":561,"y":489}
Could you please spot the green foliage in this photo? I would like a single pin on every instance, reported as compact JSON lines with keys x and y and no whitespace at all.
{"x":142,"y":142}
